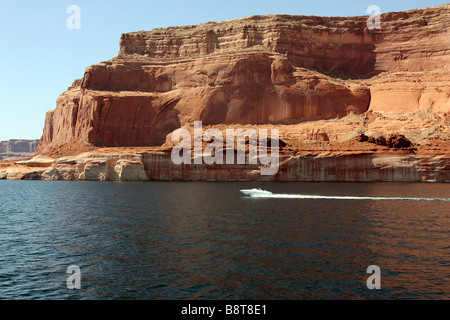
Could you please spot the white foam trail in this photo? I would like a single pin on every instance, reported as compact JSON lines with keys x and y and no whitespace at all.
{"x":304,"y":196}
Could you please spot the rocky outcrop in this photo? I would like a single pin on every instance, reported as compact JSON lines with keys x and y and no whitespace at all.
{"x":16,"y":149}
{"x":86,"y":166}
{"x":396,"y":141}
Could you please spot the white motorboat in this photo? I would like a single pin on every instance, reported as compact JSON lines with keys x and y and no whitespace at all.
{"x":256,"y":192}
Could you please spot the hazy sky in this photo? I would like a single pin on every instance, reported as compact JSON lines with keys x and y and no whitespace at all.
{"x":40,"y":57}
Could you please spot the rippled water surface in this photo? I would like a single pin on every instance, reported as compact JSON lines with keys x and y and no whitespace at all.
{"x":203,"y":240}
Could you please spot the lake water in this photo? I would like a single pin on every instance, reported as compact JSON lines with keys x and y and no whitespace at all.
{"x":200,"y":240}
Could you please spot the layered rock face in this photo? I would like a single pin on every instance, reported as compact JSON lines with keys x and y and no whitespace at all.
{"x":321,"y":81}
{"x":157,"y":165}
{"x":140,"y":109}
{"x":261,"y":69}
{"x":16,"y":149}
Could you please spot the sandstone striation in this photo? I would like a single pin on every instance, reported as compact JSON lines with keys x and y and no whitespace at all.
{"x":322,"y":81}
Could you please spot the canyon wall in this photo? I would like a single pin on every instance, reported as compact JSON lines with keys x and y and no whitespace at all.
{"x":105,"y":165}
{"x":276,"y":69}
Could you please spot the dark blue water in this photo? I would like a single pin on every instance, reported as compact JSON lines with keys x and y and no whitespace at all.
{"x":205,"y":241}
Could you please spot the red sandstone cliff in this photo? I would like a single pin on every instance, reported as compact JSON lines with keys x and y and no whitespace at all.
{"x":322,"y":81}
{"x":260,"y":69}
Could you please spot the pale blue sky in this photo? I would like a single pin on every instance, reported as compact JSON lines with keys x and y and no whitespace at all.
{"x":40,"y":56}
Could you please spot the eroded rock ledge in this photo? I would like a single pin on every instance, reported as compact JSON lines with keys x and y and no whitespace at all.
{"x":316,"y":160}
{"x":158,"y":166}
{"x":274,"y":69}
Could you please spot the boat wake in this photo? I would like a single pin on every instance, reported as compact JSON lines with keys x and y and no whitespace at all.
{"x":304,"y":196}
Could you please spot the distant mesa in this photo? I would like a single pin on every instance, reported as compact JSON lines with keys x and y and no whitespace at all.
{"x":17,"y":149}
